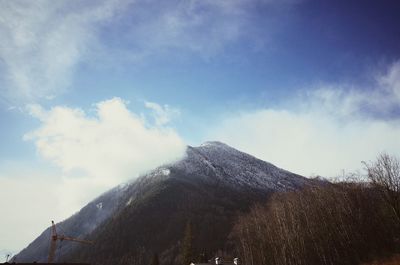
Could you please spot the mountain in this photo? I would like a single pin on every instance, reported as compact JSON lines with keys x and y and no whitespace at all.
{"x":132,"y":222}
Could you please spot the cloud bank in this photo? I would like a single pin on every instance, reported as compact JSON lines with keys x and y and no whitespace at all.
{"x":113,"y":146}
{"x":324,"y":131}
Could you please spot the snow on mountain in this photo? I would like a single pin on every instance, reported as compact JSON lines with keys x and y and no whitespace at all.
{"x":232,"y":167}
{"x":212,"y":165}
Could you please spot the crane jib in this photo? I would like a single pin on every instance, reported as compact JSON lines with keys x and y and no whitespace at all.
{"x":55,"y":237}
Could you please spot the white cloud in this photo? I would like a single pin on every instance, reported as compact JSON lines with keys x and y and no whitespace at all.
{"x":328,"y":130}
{"x":42,"y":41}
{"x":162,"y":114}
{"x":112,"y":147}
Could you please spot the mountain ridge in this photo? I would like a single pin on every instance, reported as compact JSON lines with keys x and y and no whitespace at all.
{"x":210,"y":184}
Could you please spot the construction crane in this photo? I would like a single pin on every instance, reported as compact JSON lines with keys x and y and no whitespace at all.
{"x":55,"y":237}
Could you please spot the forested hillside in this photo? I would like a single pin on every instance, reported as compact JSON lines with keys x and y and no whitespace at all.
{"x":345,"y":223}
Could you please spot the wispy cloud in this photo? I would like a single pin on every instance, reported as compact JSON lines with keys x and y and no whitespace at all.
{"x":327,"y":130}
{"x":42,"y":42}
{"x":162,"y":115}
{"x":380,"y":99}
{"x":201,"y":26}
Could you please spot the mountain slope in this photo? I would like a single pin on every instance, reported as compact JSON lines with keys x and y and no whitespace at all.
{"x":207,"y":188}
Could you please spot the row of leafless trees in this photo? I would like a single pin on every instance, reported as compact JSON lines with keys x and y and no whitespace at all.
{"x":343,"y":223}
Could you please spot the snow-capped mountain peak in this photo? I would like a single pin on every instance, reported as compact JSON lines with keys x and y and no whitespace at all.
{"x":219,"y":162}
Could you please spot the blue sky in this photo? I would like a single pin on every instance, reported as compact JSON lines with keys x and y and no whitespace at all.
{"x":312,"y":86}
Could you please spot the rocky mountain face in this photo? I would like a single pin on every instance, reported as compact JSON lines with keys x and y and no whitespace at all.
{"x":207,"y":189}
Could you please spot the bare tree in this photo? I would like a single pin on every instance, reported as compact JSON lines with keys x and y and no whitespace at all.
{"x":340,"y":224}
{"x":384,"y":174}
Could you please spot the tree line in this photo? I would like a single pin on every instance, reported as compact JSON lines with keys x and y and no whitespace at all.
{"x":343,"y":223}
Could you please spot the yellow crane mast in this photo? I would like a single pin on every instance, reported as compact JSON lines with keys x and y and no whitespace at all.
{"x":55,"y":237}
